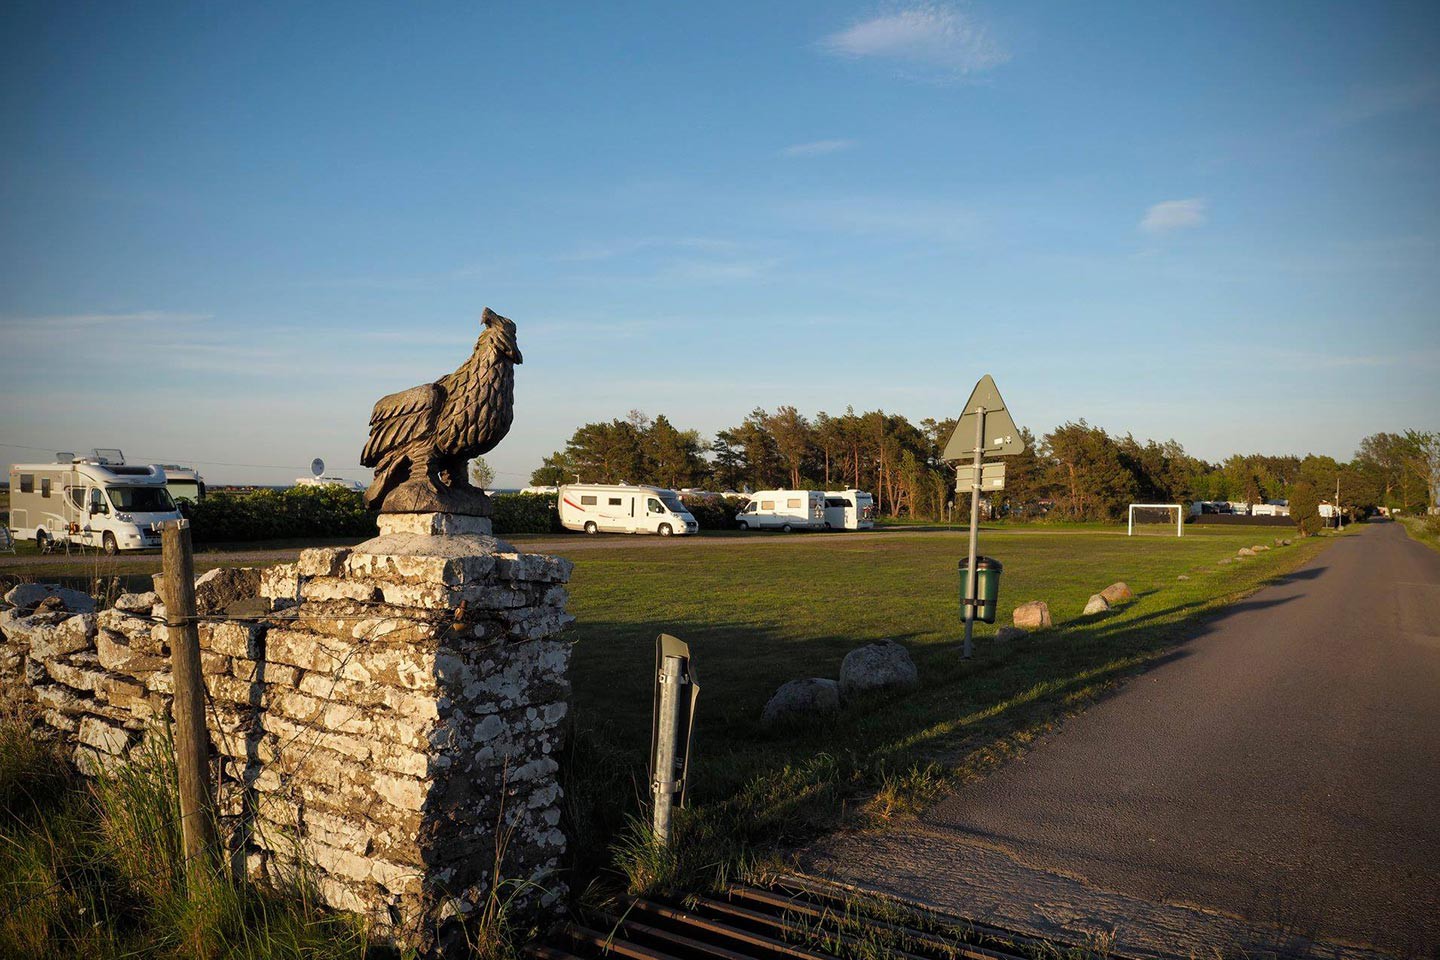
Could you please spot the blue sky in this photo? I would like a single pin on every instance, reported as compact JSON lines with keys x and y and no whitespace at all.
{"x":227,"y":229}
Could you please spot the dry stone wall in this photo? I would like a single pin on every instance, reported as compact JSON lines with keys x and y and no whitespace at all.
{"x":386,"y":717}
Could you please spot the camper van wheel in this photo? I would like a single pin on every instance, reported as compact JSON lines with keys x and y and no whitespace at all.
{"x":591,"y":527}
{"x":664,"y":530}
{"x":109,"y":545}
{"x":40,"y":540}
{"x":785,"y":528}
{"x":742,"y":525}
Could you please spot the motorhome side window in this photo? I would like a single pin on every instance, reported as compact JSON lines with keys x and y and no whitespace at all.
{"x":792,"y":503}
{"x":767,"y":504}
{"x":588,"y":501}
{"x":44,"y":486}
{"x":614,"y":501}
{"x":97,"y":502}
{"x":27,"y":483}
{"x":654,"y":505}
{"x":835,"y":502}
{"x":77,"y":497}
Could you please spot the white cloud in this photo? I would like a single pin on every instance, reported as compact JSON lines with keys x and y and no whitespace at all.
{"x":932,"y":35}
{"x":817,"y":148}
{"x":1170,"y":215}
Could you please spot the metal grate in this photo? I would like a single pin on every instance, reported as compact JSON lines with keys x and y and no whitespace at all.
{"x":792,"y":919}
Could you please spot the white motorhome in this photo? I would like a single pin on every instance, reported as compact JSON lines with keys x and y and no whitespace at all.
{"x":849,"y":510}
{"x":184,"y":483}
{"x":622,"y":508}
{"x":783,"y":510}
{"x":92,"y":501}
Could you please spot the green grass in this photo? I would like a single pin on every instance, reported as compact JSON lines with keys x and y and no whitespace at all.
{"x":1424,"y":529}
{"x":762,"y":612}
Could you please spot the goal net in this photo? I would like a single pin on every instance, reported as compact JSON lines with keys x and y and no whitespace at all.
{"x":1160,"y":518}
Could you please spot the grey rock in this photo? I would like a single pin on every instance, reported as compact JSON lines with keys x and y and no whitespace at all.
{"x":1182,"y":577}
{"x":799,"y":699}
{"x":877,"y":666}
{"x":27,"y":596}
{"x":1034,"y":615}
{"x":1245,"y":552}
{"x":217,"y":589}
{"x":1097,"y":604}
{"x":1117,"y":592}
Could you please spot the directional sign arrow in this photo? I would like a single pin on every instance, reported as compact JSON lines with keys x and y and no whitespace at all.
{"x":1002,"y":437}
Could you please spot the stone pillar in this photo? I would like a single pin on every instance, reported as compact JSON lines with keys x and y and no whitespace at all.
{"x":411,"y":695}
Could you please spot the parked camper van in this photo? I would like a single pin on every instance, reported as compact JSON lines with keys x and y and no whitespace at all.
{"x":849,"y":510}
{"x":184,"y":483}
{"x":783,"y":510}
{"x":621,"y":508}
{"x":97,"y":501}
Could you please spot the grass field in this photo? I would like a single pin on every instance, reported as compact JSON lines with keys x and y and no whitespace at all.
{"x":758,"y":610}
{"x":1424,"y":529}
{"x":769,"y":609}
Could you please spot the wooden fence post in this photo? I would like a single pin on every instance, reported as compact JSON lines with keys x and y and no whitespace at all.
{"x":192,"y":761}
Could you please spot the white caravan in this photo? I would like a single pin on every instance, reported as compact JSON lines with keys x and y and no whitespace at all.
{"x":783,"y":510}
{"x":184,"y":483}
{"x":622,"y":508}
{"x":849,"y":510}
{"x":91,"y":501}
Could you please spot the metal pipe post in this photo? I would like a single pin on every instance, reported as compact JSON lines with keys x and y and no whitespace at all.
{"x":970,"y":575}
{"x":666,"y":748}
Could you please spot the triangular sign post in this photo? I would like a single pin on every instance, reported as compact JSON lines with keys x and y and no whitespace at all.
{"x":986,"y":429}
{"x":1002,"y":437}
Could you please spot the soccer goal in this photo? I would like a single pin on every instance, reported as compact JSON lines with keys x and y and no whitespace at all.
{"x":1167,"y":507}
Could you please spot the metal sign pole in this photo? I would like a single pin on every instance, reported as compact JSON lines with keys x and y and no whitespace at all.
{"x":974,"y":532}
{"x":666,"y":747}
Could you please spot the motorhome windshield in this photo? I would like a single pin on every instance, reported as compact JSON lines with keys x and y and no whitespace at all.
{"x":674,"y":504}
{"x":141,"y":499}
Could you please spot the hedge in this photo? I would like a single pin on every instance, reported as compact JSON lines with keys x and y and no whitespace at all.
{"x":714,"y":513}
{"x":304,"y":512}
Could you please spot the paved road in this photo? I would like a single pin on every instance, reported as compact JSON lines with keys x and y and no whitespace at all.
{"x":1274,"y":783}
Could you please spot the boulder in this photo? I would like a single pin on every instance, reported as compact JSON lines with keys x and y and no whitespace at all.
{"x":877,"y":666}
{"x":1034,"y":615}
{"x":1286,"y":542}
{"x":1097,"y":604}
{"x":1006,"y":634}
{"x":1245,"y":552}
{"x":217,"y":589}
{"x":28,"y":596}
{"x":70,"y":636}
{"x":1182,"y":577}
{"x":118,"y":654}
{"x":802,"y":699}
{"x":1117,"y":592}
{"x":1280,"y":542}
{"x":1259,"y":547}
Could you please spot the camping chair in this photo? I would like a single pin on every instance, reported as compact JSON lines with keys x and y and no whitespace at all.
{"x":7,"y":539}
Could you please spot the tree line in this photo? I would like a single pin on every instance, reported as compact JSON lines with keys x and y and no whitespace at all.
{"x":1077,"y":471}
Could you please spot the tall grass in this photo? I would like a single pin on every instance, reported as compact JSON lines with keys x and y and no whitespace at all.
{"x":96,"y":870}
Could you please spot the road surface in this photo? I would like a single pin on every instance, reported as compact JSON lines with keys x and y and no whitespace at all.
{"x":1275,"y":783}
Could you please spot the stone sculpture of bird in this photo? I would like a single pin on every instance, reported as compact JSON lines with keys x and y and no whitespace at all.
{"x":422,"y":439}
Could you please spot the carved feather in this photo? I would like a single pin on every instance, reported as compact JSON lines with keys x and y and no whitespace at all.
{"x":400,"y":419}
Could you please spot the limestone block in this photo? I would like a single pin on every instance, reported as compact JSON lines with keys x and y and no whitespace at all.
{"x":1245,"y":552}
{"x":27,"y":596}
{"x":217,"y":589}
{"x":1096,"y":604}
{"x":337,"y":588}
{"x":322,"y":562}
{"x":117,"y":654}
{"x":77,"y":674}
{"x":432,"y":524}
{"x":70,"y":636}
{"x":233,"y":638}
{"x":136,"y":602}
{"x":280,"y":582}
{"x":1034,"y":615}
{"x":60,"y":698}
{"x":103,"y":736}
{"x":533,"y":567}
{"x":442,"y":570}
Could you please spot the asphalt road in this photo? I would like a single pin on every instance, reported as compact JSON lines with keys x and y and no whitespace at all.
{"x":1274,"y":783}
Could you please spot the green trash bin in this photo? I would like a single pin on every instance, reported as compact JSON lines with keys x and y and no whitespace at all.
{"x":987,"y":575}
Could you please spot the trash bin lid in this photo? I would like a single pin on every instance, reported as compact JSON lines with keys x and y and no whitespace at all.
{"x":982,"y":563}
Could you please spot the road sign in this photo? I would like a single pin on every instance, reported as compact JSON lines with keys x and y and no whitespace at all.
{"x":992,"y":476}
{"x":317,"y":466}
{"x":1002,"y":437}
